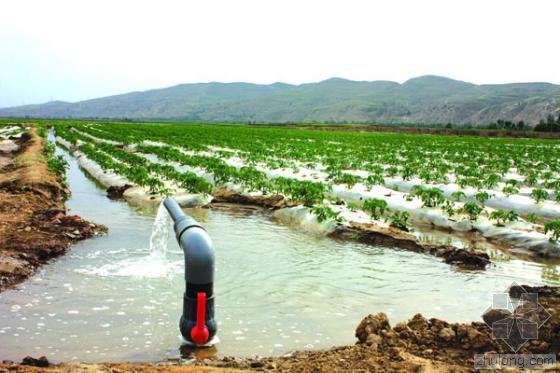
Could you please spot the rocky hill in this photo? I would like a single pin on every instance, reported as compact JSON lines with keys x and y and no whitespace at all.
{"x":427,"y":99}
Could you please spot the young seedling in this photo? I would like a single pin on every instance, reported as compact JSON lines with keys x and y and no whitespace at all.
{"x":432,"y":197}
{"x":408,"y":197}
{"x":325,"y":213}
{"x":472,"y":210}
{"x":491,"y":181}
{"x":376,"y":207}
{"x":554,"y":228}
{"x":501,"y":217}
{"x":399,"y":220}
{"x":352,"y":206}
{"x":510,"y":190}
{"x":531,"y":218}
{"x":449,"y":208}
{"x":407,"y":172}
{"x":512,"y":216}
{"x":532,"y":179}
{"x":483,"y":197}
{"x":459,"y":195}
{"x":392,"y":171}
{"x":539,"y":195}
{"x":374,"y":179}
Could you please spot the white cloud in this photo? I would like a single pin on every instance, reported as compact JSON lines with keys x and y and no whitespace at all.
{"x":73,"y":50}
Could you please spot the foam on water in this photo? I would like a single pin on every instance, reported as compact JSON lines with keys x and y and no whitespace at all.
{"x":139,"y":263}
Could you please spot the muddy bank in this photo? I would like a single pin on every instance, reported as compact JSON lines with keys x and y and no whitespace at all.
{"x":391,"y":237}
{"x":369,"y":233}
{"x":273,"y":202}
{"x":34,"y":226}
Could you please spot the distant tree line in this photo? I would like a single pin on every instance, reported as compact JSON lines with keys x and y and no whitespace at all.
{"x":507,"y":125}
{"x":549,"y":125}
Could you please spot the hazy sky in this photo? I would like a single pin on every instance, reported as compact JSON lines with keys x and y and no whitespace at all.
{"x":78,"y":49}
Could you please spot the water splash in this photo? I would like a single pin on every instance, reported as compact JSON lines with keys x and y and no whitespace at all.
{"x":135,"y":262}
{"x":160,"y":234}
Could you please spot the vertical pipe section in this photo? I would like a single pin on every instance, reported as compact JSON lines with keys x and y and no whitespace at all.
{"x":199,"y":274}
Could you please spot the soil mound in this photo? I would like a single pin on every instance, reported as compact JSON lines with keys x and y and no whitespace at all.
{"x":274,"y":201}
{"x":34,"y":226}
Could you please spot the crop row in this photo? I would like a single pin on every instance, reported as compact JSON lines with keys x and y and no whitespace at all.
{"x":142,"y":172}
{"x":469,"y":161}
{"x":508,"y":165}
{"x":311,"y":193}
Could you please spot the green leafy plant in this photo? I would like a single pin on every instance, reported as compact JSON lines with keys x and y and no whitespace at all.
{"x":483,"y":197}
{"x":531,"y":179}
{"x":539,"y":195}
{"x":325,"y":213}
{"x":513,"y":182}
{"x":509,"y":190}
{"x":449,"y":208}
{"x":407,"y":172}
{"x":459,"y":195}
{"x":491,"y":181}
{"x":399,"y":219}
{"x":501,"y":217}
{"x":554,"y":228}
{"x":531,"y":218}
{"x":376,"y":207}
{"x":348,"y":179}
{"x":374,"y":179}
{"x":352,"y":206}
{"x":431,"y":197}
{"x":472,"y":209}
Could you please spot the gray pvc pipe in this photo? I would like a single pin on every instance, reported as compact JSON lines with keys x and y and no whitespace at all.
{"x":196,"y":244}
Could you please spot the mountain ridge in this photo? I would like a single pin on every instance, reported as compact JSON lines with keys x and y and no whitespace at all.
{"x":428,"y":99}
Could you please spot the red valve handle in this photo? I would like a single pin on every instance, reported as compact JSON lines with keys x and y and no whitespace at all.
{"x":199,"y":333}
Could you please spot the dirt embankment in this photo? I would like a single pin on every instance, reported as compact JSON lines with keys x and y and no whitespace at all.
{"x":34,"y":226}
{"x":419,"y":345}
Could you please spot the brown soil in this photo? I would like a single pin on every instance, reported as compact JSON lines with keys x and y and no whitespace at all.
{"x":34,"y":226}
{"x":420,"y":345}
{"x":273,"y":202}
{"x":392,"y":237}
{"x":116,"y":192}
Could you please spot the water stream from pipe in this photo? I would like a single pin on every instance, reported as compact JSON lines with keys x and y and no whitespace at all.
{"x":152,"y":263}
{"x":160,"y":236}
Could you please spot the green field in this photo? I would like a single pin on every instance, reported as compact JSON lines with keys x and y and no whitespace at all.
{"x":503,"y":185}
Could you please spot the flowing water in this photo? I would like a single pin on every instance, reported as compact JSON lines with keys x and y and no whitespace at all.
{"x":119,"y":297}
